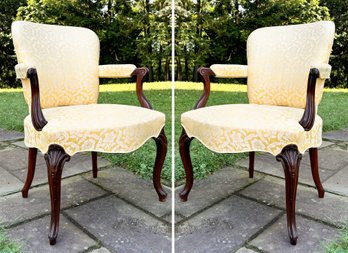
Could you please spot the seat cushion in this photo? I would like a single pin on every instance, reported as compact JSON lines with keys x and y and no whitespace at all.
{"x":250,"y":127}
{"x":95,"y":127}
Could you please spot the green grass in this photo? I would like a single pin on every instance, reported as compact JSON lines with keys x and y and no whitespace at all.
{"x":340,"y":245}
{"x":7,"y":246}
{"x":333,"y":109}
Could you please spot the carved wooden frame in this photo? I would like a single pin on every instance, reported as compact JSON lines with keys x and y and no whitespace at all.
{"x":290,"y":157}
{"x":56,"y":155}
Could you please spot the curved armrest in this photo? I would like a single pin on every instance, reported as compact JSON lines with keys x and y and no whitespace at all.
{"x":308,"y":118}
{"x":230,"y":70}
{"x":140,"y":73}
{"x":205,"y":74}
{"x":324,"y":70}
{"x":116,"y":70}
{"x":24,"y":71}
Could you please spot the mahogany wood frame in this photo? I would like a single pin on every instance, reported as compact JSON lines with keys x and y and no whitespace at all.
{"x":56,"y":155}
{"x":289,"y":156}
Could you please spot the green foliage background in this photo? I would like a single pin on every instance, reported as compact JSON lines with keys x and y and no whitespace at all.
{"x":206,"y":31}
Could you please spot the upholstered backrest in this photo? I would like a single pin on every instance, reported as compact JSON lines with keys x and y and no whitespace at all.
{"x":66,"y":59}
{"x":279,"y":60}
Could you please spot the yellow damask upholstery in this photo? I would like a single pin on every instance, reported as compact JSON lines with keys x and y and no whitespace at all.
{"x":250,"y":127}
{"x":230,"y":70}
{"x":116,"y":71}
{"x":96,"y":127}
{"x":67,"y":63}
{"x":66,"y":59}
{"x":279,"y":60}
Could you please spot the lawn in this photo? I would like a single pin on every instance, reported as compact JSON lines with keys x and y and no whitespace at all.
{"x":8,"y":246}
{"x":333,"y":109}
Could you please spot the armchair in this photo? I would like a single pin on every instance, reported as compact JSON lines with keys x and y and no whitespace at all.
{"x":287,"y":67}
{"x":59,"y":70}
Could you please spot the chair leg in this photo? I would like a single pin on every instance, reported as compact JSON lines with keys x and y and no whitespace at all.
{"x":290,"y":159}
{"x":161,"y":144}
{"x":313,"y":154}
{"x":55,"y":160}
{"x":32,"y":154}
{"x":184,"y":148}
{"x":94,"y":164}
{"x":251,"y":164}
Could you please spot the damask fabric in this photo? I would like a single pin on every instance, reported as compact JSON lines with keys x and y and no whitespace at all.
{"x":66,"y":59}
{"x":250,"y":127}
{"x":95,"y":127}
{"x":230,"y":70}
{"x":279,"y":60}
{"x":116,"y":71}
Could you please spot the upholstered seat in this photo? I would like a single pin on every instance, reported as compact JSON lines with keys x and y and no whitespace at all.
{"x":250,"y":127}
{"x":95,"y":127}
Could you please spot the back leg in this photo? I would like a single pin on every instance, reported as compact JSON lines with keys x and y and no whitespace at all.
{"x":32,"y":154}
{"x":94,"y":164}
{"x":313,"y":155}
{"x":251,"y":164}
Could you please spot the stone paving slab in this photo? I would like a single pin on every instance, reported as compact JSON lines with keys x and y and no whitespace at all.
{"x":338,"y":183}
{"x":332,"y":208}
{"x":20,"y":144}
{"x":245,"y":250}
{"x":267,"y":163}
{"x":78,"y":164}
{"x":33,"y":237}
{"x":341,"y":135}
{"x":6,"y":135}
{"x":100,"y":250}
{"x":331,"y":159}
{"x":122,"y":227}
{"x":8,"y":183}
{"x":137,"y":191}
{"x":75,"y":191}
{"x":208,"y":191}
{"x":224,"y":227}
{"x":312,"y":237}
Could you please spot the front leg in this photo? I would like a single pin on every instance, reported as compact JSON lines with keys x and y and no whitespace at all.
{"x":161,"y":143}
{"x":55,"y":160}
{"x":290,"y":159}
{"x":184,"y":148}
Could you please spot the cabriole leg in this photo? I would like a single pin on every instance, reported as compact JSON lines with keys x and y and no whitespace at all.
{"x":290,"y":159}
{"x":184,"y":148}
{"x":32,"y":154}
{"x":161,"y":144}
{"x":55,"y":160}
{"x":313,"y":154}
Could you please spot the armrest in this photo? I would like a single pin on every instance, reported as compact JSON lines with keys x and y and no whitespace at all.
{"x":140,"y":74}
{"x":24,"y":71}
{"x":116,"y":70}
{"x":308,"y":118}
{"x":230,"y":70}
{"x":324,"y":70}
{"x":205,"y":74}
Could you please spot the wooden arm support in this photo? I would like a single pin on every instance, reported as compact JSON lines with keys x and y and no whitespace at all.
{"x":140,"y":73}
{"x":308,"y":118}
{"x":37,"y":117}
{"x":205,"y":74}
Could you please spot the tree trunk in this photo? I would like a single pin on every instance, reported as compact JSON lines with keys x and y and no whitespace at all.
{"x":179,"y":69}
{"x":187,"y":74}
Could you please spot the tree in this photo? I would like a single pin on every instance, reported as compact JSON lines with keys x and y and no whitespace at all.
{"x":8,"y":10}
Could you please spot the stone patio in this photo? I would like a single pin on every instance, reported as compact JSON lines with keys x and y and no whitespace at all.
{"x":227,"y":212}
{"x":117,"y":212}
{"x":230,"y":213}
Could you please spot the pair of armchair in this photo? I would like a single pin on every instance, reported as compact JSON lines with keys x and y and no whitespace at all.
{"x":286,"y":70}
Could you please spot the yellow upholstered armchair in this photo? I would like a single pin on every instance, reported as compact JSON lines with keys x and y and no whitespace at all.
{"x":59,"y":69}
{"x":286,"y":70}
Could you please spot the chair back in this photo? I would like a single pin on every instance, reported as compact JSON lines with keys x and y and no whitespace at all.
{"x":66,"y":59}
{"x":279,"y":60}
